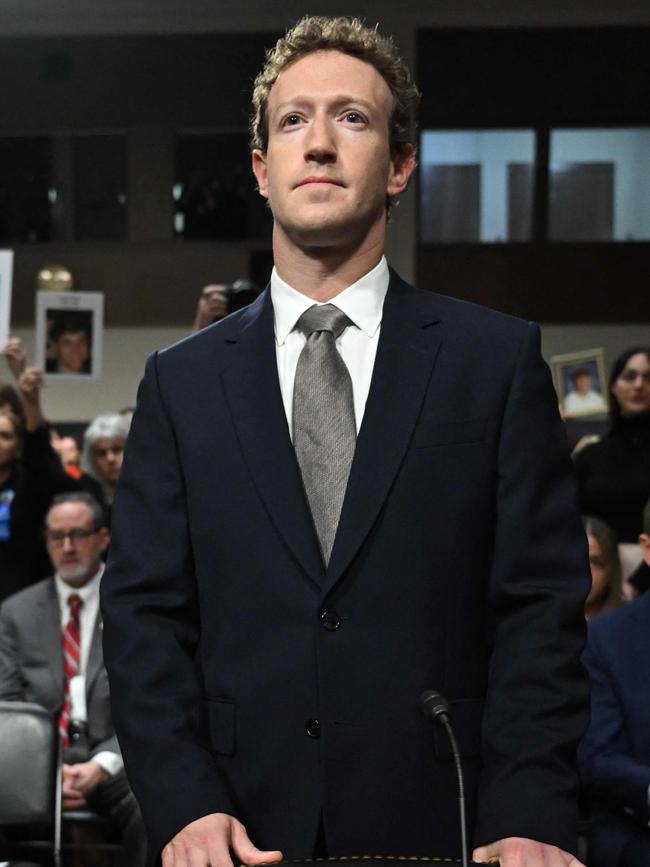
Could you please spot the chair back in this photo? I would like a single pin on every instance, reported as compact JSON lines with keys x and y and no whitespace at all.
{"x":29,"y":745}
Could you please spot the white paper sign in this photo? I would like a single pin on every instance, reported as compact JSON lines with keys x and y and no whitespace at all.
{"x":6,"y":280}
{"x":69,"y":334}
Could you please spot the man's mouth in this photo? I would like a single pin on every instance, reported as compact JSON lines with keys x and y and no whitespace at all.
{"x":319,"y":179}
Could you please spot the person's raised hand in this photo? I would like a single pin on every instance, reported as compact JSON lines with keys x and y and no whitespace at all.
{"x":16,"y":355}
{"x":30,"y":383}
{"x":212,"y":305}
{"x":520,"y":852}
{"x":207,"y":842}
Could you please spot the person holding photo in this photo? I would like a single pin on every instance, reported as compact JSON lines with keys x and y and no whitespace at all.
{"x":31,"y":474}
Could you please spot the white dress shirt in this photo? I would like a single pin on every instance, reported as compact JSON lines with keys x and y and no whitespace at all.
{"x":362,"y":302}
{"x":89,"y":595}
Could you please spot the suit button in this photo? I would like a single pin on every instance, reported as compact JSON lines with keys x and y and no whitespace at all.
{"x":330,"y":620}
{"x":312,"y":727}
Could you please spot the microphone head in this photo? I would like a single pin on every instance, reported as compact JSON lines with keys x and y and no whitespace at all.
{"x":434,"y":704}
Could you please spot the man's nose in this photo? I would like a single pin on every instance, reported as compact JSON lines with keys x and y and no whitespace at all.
{"x":68,"y":544}
{"x":320,"y":142}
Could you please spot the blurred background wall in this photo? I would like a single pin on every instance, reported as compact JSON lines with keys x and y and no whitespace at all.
{"x":123,"y":156}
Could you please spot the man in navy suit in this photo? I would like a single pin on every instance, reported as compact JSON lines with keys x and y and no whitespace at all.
{"x":265,"y":671}
{"x":615,"y":754}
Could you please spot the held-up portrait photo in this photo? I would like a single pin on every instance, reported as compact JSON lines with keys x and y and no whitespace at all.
{"x":69,"y":331}
{"x":580,"y":383}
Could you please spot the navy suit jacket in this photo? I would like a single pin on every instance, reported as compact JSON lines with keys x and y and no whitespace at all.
{"x":615,"y":753}
{"x":459,"y":564}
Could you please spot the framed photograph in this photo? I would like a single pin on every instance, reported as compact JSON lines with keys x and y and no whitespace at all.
{"x":6,"y":281}
{"x":69,"y":334}
{"x":581,"y":383}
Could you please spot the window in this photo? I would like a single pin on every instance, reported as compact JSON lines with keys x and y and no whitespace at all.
{"x":215,"y":196}
{"x":63,"y":188}
{"x":476,"y":185}
{"x":599,"y":185}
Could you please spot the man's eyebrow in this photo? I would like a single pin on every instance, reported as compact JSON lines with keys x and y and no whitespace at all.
{"x":339,"y":100}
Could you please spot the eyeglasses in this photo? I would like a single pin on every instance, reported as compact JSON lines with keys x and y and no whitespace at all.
{"x":632,"y":376}
{"x":58,"y":537}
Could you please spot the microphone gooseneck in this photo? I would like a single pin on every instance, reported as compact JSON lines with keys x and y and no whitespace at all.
{"x":436,"y":706}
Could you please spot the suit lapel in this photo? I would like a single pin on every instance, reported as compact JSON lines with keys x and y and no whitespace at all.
{"x":49,"y":625}
{"x":95,"y":659}
{"x":253,"y":394}
{"x":405,"y":358}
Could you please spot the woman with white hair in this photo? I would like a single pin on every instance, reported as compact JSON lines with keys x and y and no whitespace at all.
{"x":103,"y":450}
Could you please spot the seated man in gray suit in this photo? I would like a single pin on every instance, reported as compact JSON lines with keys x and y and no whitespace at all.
{"x":51,"y":654}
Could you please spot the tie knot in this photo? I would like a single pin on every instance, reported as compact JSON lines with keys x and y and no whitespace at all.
{"x":75,"y":602}
{"x":323,"y":317}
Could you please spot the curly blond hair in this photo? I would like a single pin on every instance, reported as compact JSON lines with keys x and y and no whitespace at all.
{"x":350,"y":36}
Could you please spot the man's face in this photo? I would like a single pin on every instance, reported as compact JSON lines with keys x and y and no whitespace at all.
{"x":583,"y":383}
{"x":9,"y":443}
{"x":328,"y":168}
{"x":74,"y":545}
{"x":108,"y":453}
{"x":72,"y":351}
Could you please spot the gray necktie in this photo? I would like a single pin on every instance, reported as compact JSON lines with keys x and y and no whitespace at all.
{"x":324,"y":429}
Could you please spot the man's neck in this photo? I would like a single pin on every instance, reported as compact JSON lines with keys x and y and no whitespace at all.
{"x":321,"y":273}
{"x":5,"y":474}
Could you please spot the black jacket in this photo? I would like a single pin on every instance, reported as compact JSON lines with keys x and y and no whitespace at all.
{"x":459,"y":564}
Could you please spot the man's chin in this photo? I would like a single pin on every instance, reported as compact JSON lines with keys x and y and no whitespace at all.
{"x":76,"y":575}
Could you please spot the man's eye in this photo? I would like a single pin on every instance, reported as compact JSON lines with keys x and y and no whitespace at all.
{"x":292,"y":120}
{"x":354,"y":117}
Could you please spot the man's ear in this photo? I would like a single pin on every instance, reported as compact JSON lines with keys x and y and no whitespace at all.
{"x":260,"y":171}
{"x":402,"y":167}
{"x":644,"y":542}
{"x":104,"y":538}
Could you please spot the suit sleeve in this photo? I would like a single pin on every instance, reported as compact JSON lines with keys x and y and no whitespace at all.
{"x":11,"y":682}
{"x":607,"y":766}
{"x":151,"y":630}
{"x":537,"y":702}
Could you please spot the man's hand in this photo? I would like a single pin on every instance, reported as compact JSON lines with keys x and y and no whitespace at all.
{"x":207,"y":841}
{"x":519,"y":852}
{"x":16,"y":356}
{"x":212,"y":305}
{"x":79,"y":781}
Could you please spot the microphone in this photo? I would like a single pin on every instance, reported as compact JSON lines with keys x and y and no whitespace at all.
{"x":436,"y":706}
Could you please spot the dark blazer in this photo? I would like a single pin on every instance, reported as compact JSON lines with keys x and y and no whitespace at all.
{"x":31,"y":661}
{"x":249,"y":679}
{"x":615,"y":754}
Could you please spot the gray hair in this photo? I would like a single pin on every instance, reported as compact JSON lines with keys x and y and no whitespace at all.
{"x":109,"y":425}
{"x":99,"y":519}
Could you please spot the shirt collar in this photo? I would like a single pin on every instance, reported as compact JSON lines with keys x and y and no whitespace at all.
{"x":362,"y":302}
{"x":85,"y":593}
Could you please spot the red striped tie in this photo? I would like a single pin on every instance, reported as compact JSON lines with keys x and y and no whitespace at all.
{"x":71,"y":657}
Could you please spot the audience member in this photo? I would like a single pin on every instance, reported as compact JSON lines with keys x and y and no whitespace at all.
{"x":30,"y":475}
{"x":67,"y":448}
{"x":639,"y":580}
{"x":614,"y":473}
{"x":219,"y":299}
{"x":103,"y":450}
{"x":605,"y":567}
{"x":615,"y":753}
{"x":51,"y":654}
